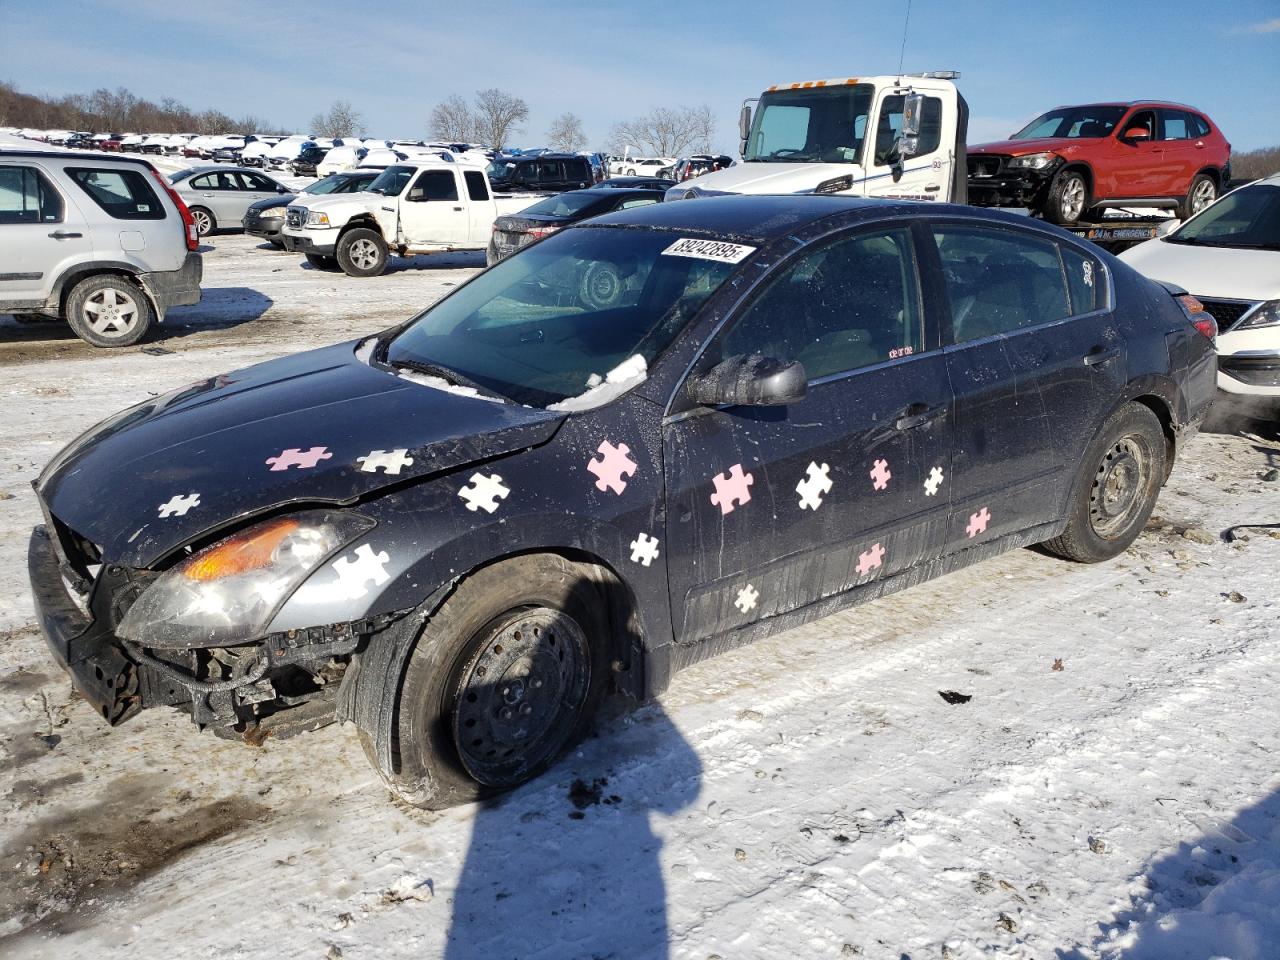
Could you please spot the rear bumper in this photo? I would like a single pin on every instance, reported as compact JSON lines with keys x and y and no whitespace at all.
{"x":175,"y":288}
{"x":105,"y":677}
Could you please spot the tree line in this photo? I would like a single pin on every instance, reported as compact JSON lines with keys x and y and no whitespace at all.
{"x":493,"y":117}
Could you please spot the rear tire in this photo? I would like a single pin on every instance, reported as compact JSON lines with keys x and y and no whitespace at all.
{"x":1068,"y":199}
{"x":1202,"y":192}
{"x":1112,"y":498}
{"x":204,"y":220}
{"x":503,"y":678}
{"x":322,"y":262}
{"x":362,"y":253}
{"x":109,"y":311}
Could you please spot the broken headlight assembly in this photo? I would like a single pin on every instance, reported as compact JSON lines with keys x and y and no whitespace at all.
{"x":1034,"y":161}
{"x":228,"y":592}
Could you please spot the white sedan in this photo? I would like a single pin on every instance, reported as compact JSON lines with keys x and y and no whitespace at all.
{"x":1228,"y":256}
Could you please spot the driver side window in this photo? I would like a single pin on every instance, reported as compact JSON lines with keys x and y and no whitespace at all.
{"x":853,"y":303}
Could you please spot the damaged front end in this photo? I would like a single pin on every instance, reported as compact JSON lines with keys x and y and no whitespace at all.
{"x":196,"y":635}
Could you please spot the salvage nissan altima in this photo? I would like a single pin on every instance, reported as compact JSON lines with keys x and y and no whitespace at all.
{"x":630,"y":446}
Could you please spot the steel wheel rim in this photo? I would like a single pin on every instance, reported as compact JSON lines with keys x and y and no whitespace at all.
{"x":110,"y":313}
{"x":1203,"y":195}
{"x":1119,"y":486}
{"x":520,"y":694}
{"x":203,"y":223}
{"x":1072,"y":198}
{"x":364,"y":254}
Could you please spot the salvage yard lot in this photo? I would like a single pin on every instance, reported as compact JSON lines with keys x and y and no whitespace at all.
{"x":809,"y":796}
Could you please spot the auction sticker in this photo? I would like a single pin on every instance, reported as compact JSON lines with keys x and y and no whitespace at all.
{"x":709,"y":250}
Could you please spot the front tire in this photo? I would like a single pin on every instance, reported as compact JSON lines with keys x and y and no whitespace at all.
{"x":362,"y":253}
{"x":1116,"y":490}
{"x":1202,"y":192}
{"x":109,"y":311}
{"x":204,"y":220}
{"x":1068,"y":199}
{"x":502,"y":680}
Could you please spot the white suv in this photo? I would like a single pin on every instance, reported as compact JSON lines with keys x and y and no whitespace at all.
{"x":102,"y":242}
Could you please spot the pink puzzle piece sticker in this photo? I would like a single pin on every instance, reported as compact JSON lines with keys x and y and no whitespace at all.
{"x":880,"y":475}
{"x":868,"y":560}
{"x":611,"y":466}
{"x":302,"y":459}
{"x":733,"y":489}
{"x":978,"y":523}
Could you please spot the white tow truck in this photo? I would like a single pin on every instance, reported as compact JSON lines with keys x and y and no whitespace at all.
{"x":424,"y":205}
{"x":898,"y":137}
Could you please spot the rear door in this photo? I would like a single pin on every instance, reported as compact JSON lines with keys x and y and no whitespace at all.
{"x":41,"y":231}
{"x":926,"y":173}
{"x":1035,"y":362}
{"x":1181,"y":156}
{"x":481,"y":210}
{"x":771,"y":509}
{"x":432,"y":211}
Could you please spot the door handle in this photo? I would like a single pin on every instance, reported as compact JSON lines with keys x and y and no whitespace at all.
{"x":207,"y":196}
{"x":1199,"y":144}
{"x":932,"y":188}
{"x":65,"y":235}
{"x":1097,"y":357}
{"x":457,"y":209}
{"x":917,"y":415}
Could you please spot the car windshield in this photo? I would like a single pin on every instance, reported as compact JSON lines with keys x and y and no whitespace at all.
{"x":392,"y":181}
{"x":336,"y":183}
{"x":1245,"y":218}
{"x":562,"y":205}
{"x":818,"y":124}
{"x":500,"y":170}
{"x":556,"y":319}
{"x":1073,"y":123}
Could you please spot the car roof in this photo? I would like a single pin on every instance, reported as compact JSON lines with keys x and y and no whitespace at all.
{"x":80,"y":155}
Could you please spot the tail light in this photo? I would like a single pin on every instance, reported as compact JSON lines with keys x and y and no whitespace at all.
{"x":188,"y":222}
{"x":1200,"y":318}
{"x":539,"y":232}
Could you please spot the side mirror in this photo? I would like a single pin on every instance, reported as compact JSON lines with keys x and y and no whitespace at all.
{"x":415,"y":195}
{"x":283,"y":189}
{"x":753,"y":381}
{"x":912,"y":109}
{"x":1136,"y":135}
{"x":744,"y":122}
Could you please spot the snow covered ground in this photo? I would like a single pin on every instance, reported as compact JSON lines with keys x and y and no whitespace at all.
{"x":1111,"y":789}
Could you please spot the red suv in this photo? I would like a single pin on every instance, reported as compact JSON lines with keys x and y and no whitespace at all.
{"x":1072,"y":160}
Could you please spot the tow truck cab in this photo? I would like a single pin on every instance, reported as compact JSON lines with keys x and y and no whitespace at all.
{"x":900,"y":137}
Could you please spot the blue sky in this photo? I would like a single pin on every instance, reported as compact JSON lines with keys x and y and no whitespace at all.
{"x":396,"y":58}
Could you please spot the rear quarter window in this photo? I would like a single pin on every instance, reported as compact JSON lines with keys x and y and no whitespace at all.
{"x":122,"y":194}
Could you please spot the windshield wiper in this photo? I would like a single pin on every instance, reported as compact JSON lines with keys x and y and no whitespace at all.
{"x":447,"y":374}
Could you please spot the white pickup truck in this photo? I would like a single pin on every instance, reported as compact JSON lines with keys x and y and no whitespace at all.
{"x":420,"y":206}
{"x":900,"y":137}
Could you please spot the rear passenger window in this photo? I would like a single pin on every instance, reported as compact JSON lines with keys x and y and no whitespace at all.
{"x":203,"y":183}
{"x":1176,"y":125}
{"x":1085,"y":282}
{"x":1200,"y":124}
{"x":477,"y":189}
{"x":1000,"y":281}
{"x":123,"y":194}
{"x":853,"y":303}
{"x":26,"y":197}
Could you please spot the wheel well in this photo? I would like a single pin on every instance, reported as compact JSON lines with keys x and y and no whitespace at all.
{"x":1160,"y":407}
{"x":1084,"y":170}
{"x":357,"y":222}
{"x":1213,"y":172}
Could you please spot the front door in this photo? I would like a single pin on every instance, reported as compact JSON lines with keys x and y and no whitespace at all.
{"x":1035,"y":362}
{"x":771,"y":509}
{"x":432,"y":213}
{"x":922,"y":176}
{"x":1135,"y":164}
{"x":39,"y":231}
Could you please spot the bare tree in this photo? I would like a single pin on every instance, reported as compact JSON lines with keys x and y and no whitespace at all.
{"x":497,"y":114}
{"x":342,"y":120}
{"x":666,"y":132}
{"x":566,"y":133}
{"x":453,"y":121}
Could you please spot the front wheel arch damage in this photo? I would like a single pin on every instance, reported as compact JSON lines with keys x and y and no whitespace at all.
{"x":370,"y":694}
{"x":1160,"y":407}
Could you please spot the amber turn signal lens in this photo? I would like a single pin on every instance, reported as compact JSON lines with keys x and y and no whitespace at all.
{"x":251,"y":550}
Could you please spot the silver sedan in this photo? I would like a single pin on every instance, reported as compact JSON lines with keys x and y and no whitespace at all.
{"x":220,"y":196}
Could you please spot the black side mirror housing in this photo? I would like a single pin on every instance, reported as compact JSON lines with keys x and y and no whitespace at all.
{"x":415,"y":195}
{"x":750,"y":381}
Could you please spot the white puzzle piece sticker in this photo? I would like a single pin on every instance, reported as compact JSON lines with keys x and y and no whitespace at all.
{"x":813,"y":487}
{"x":354,"y":576}
{"x":1088,"y":273}
{"x":747,"y":598}
{"x":390,"y":461}
{"x":177,"y":506}
{"x":709,"y":250}
{"x":483,"y":493}
{"x":933,"y":481}
{"x":644,"y":549}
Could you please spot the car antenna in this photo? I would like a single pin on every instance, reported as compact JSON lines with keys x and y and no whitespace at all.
{"x":903,"y":52}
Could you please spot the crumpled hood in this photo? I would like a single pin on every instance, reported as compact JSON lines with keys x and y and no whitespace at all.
{"x":128,"y":484}
{"x":347,"y":204}
{"x":767,"y":178}
{"x":1019,"y":148}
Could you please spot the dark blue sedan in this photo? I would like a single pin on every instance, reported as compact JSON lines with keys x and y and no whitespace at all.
{"x":628,"y":447}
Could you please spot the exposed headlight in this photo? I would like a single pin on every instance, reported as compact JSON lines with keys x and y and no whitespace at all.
{"x":317,"y":218}
{"x":1034,"y":161}
{"x":227,"y":593}
{"x":1266,"y":315}
{"x":277,"y":211}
